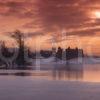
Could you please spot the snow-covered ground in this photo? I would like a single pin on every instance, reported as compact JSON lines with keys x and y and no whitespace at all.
{"x":52,"y":63}
{"x":84,"y":60}
{"x":28,"y":88}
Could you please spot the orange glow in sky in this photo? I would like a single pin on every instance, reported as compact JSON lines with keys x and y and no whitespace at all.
{"x":96,"y":14}
{"x":46,"y":18}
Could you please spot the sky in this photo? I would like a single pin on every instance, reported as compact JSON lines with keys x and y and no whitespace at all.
{"x":48,"y":23}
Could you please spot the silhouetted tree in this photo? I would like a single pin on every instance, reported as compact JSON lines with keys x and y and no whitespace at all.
{"x":46,"y":53}
{"x":5,"y":54}
{"x":59,"y":53}
{"x":19,"y":38}
{"x":73,"y":53}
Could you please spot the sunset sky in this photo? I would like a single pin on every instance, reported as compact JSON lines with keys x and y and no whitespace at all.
{"x":65,"y":22}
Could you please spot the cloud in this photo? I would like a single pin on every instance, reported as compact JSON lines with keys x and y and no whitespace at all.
{"x":17,"y":8}
{"x":54,"y":15}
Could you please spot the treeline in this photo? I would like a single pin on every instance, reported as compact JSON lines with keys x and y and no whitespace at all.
{"x":15,"y":56}
{"x":18,"y":56}
{"x":63,"y":54}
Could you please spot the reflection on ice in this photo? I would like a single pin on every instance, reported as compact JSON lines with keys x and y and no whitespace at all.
{"x":55,"y":72}
{"x":60,"y":71}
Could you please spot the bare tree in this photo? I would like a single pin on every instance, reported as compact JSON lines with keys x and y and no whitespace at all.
{"x":18,"y":36}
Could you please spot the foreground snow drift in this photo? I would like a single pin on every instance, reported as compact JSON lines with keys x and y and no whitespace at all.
{"x":27,"y":88}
